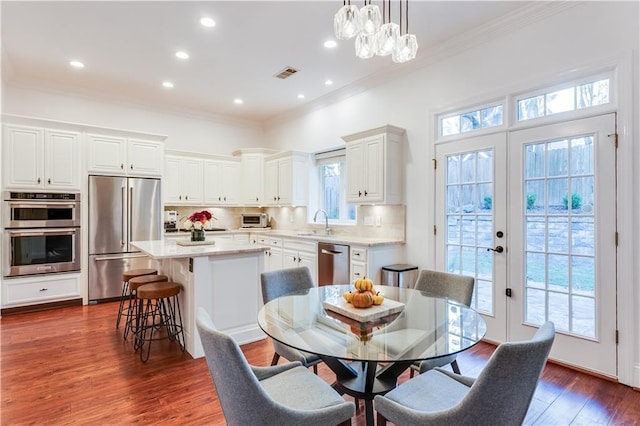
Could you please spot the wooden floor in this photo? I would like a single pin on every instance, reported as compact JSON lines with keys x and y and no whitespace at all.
{"x":70,"y":366}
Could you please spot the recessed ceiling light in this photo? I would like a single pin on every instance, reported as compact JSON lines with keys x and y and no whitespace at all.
{"x":76,"y":64}
{"x":238,"y":101}
{"x":328,"y":82}
{"x":330,"y":44}
{"x":207,"y":22}
{"x":301,"y":96}
{"x":180,"y":54}
{"x":167,"y":84}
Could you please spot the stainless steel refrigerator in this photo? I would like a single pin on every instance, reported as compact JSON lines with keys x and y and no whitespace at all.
{"x":121,"y":210}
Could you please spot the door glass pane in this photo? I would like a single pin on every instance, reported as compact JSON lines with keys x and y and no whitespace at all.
{"x":469,"y":207}
{"x":560,"y":234}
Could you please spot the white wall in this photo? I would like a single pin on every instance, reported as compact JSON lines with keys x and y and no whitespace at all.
{"x":574,"y":40}
{"x":184,"y":132}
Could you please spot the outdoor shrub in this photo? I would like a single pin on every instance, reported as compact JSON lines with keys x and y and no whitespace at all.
{"x":531,"y":201}
{"x":576,"y":201}
{"x":487,"y":202}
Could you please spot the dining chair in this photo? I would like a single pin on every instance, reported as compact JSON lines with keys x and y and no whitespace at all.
{"x":443,"y":284}
{"x":287,"y":394}
{"x":279,"y":283}
{"x":501,"y":394}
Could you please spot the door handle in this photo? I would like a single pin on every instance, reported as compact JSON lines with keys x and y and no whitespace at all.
{"x":498,"y":249}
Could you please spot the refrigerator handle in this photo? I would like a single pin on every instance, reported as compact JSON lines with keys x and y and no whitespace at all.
{"x":124,"y":210}
{"x":131,"y":203}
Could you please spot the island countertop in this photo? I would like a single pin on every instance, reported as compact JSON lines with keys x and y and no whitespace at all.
{"x":167,"y":249}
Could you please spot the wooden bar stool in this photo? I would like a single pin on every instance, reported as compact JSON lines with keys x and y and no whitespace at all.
{"x":126,"y":294}
{"x":161,"y":309}
{"x":134,"y":312}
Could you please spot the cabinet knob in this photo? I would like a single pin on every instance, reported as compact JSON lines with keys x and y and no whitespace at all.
{"x":359,"y":194}
{"x":357,"y":274}
{"x":179,"y":197}
{"x":49,"y":181}
{"x":365,"y":193}
{"x":219,"y":198}
{"x":132,"y":167}
{"x":356,"y":254}
{"x":225,"y":198}
{"x":278,"y":198}
{"x":274,"y":198}
{"x":121,"y":166}
{"x":256,"y":198}
{"x":38,"y":180}
{"x":186,"y":197}
{"x":44,"y":289}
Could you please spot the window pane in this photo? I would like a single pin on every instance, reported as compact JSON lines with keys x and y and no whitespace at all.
{"x":591,"y":94}
{"x":470,"y":121}
{"x":491,"y":116}
{"x":531,"y":108}
{"x":534,"y":160}
{"x":560,"y":101}
{"x":450,"y":125}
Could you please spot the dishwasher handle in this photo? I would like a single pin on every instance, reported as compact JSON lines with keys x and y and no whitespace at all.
{"x":331,"y":252}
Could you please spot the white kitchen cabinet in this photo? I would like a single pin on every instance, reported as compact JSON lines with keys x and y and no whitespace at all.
{"x":375,"y":165}
{"x":368,"y":261}
{"x":183,"y":180}
{"x":298,"y":253}
{"x":39,"y":158}
{"x":222,"y":182}
{"x":286,"y":179}
{"x":118,"y":155}
{"x":41,"y":289}
{"x":252,"y":192}
{"x":273,"y":255}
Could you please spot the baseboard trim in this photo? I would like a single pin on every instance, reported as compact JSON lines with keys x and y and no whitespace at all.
{"x":41,"y":307}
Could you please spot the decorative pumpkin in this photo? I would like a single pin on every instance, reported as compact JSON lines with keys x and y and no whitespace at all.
{"x":347,"y":296}
{"x":363,"y":284}
{"x":378,"y":299}
{"x":362,"y":299}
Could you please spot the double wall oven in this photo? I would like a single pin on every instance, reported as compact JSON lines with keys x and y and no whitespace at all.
{"x":41,"y":233}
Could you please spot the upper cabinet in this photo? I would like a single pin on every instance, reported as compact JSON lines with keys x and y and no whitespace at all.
{"x":375,"y":165}
{"x":124,"y":156}
{"x":40,"y":158}
{"x":222,"y":182}
{"x":286,"y":179}
{"x":252,"y":179}
{"x":183,"y":180}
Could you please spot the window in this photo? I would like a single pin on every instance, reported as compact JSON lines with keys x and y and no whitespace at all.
{"x":332,"y":187}
{"x":482,"y":118}
{"x":577,"y":96}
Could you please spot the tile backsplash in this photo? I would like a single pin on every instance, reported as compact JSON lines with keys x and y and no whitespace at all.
{"x":380,"y":221}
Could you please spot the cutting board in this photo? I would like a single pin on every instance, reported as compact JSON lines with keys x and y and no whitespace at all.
{"x":342,"y":307}
{"x":195,"y":243}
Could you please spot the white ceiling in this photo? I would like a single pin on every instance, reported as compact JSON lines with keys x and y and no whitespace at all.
{"x":129,"y":49}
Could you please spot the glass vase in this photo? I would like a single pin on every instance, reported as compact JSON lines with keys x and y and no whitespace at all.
{"x":197,"y":235}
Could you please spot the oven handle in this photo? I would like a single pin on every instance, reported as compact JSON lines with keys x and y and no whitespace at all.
{"x":42,"y":231}
{"x":52,"y":205}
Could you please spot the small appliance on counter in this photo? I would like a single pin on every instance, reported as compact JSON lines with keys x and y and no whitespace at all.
{"x":170,"y":221}
{"x":255,"y":220}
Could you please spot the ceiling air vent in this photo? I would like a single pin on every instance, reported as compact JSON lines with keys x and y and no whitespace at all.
{"x":286,"y":73}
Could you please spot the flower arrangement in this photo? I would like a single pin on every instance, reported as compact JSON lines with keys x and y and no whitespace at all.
{"x":199,"y":219}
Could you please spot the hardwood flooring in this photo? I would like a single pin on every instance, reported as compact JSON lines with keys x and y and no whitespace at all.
{"x":70,"y":366}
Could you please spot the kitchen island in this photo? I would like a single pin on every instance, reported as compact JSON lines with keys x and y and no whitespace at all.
{"x":223,"y":278}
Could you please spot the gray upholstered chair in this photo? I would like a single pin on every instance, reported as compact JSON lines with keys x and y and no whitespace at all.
{"x":286,"y":394}
{"x":443,"y":284}
{"x":499,"y":396}
{"x":279,"y":283}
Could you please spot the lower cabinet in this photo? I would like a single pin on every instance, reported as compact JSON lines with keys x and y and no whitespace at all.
{"x":368,"y":261}
{"x":36,"y":290}
{"x":301,"y":253}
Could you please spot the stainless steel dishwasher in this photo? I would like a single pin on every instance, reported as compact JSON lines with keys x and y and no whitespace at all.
{"x":333,"y":264}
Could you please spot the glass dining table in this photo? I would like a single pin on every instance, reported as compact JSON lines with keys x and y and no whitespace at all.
{"x":369,"y":348}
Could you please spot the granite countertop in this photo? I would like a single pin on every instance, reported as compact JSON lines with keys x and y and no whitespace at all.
{"x":166,"y":249}
{"x":304,"y":236}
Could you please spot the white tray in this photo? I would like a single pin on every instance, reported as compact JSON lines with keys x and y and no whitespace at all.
{"x":342,"y":307}
{"x":195,"y":243}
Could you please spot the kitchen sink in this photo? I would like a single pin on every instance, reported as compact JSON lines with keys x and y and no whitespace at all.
{"x":306,"y":234}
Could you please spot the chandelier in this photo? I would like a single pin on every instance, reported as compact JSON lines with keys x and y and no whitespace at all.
{"x":374,"y":32}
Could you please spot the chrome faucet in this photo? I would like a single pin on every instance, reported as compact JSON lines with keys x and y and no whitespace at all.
{"x":326,"y":220}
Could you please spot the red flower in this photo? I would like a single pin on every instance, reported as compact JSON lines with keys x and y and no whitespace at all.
{"x":201,"y":217}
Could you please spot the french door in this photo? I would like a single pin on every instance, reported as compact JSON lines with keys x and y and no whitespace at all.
{"x":548,"y":198}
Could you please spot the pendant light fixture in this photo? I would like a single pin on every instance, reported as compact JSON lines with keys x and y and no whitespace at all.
{"x":406,"y":45}
{"x":374,"y":32}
